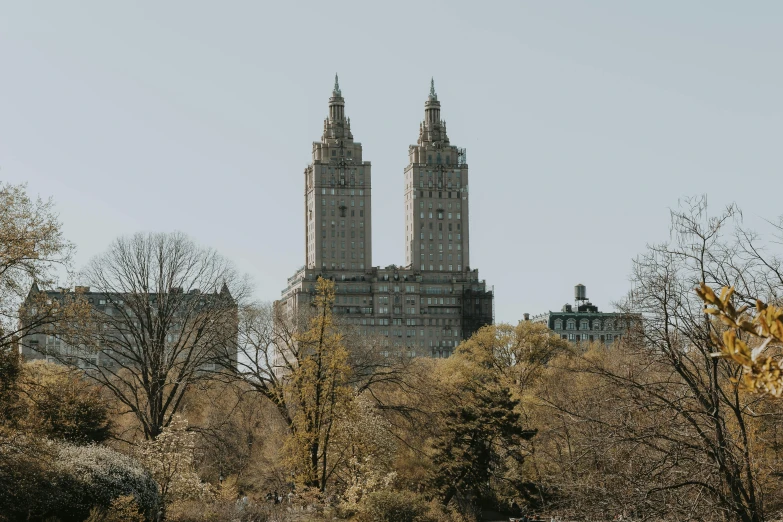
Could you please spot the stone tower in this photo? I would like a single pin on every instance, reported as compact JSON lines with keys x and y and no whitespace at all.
{"x":338,"y":224}
{"x":436,"y":198}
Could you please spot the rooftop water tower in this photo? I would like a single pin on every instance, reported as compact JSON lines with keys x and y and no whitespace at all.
{"x":580,"y":294}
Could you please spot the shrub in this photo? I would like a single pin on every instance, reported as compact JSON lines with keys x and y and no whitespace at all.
{"x":394,"y":506}
{"x":218,"y":511}
{"x":93,"y":476}
{"x":61,"y":404}
{"x":170,"y":459}
{"x":122,"y":509}
{"x":27,"y":477}
{"x":40,"y":479}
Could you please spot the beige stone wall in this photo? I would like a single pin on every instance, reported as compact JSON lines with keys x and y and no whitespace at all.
{"x":419,"y":313}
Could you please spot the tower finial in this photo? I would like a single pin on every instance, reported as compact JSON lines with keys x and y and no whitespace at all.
{"x":336,"y":85}
{"x":432,"y":88}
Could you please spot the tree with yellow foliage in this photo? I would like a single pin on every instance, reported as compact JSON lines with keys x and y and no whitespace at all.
{"x":33,"y":253}
{"x":317,"y":388}
{"x":480,"y":450}
{"x":762,"y":326}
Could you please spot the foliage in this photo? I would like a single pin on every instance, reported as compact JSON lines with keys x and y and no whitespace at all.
{"x":10,"y":370}
{"x":32,"y":249}
{"x":762,"y":373}
{"x":122,"y":509}
{"x":236,"y":434}
{"x":223,"y":510}
{"x":61,"y":404}
{"x":169,"y":457}
{"x":394,"y":506}
{"x":40,"y":479}
{"x":516,"y":354}
{"x":479,"y":447}
{"x":27,"y":477}
{"x":95,"y":476}
{"x":318,"y":388}
{"x":364,"y":450}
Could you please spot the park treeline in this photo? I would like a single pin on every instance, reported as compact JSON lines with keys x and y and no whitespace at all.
{"x":216,"y":407}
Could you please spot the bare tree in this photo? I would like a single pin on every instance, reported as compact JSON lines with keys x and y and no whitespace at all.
{"x":166,"y":315}
{"x":661,"y":426}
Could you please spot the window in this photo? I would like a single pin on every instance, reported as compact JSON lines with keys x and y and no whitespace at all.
{"x":584,"y":324}
{"x":558,"y":324}
{"x":571,"y":324}
{"x":596,"y":324}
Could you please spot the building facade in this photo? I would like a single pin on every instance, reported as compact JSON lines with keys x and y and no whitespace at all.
{"x":117,"y":321}
{"x":435,"y":300}
{"x":583,"y":322}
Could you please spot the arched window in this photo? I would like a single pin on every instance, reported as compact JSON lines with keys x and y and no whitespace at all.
{"x":584,"y":324}
{"x":558,"y":324}
{"x":571,"y":324}
{"x":596,"y":324}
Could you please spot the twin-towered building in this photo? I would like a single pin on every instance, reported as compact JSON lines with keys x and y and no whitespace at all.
{"x":435,"y":300}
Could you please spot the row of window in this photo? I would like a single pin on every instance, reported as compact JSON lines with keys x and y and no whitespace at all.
{"x":440,"y":268}
{"x":438,"y":214}
{"x":440,"y":194}
{"x":342,"y":244}
{"x":430,"y":184}
{"x":384,"y":321}
{"x":342,"y":266}
{"x":342,"y":201}
{"x":342,"y":224}
{"x":431,"y":226}
{"x":429,"y":173}
{"x":412,"y":333}
{"x":343,"y":211}
{"x":449,"y":236}
{"x":440,"y":257}
{"x":340,"y":192}
{"x":608,"y":338}
{"x":584,"y":324}
{"x":383,"y":287}
{"x":341,"y":233}
{"x":342,"y":255}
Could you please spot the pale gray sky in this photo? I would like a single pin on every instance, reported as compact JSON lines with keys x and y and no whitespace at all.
{"x":583,"y":122}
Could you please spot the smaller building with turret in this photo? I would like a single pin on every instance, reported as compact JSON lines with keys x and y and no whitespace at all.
{"x":583,"y":322}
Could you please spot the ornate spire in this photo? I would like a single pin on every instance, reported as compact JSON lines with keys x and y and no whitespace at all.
{"x":432,"y":89}
{"x":336,"y":86}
